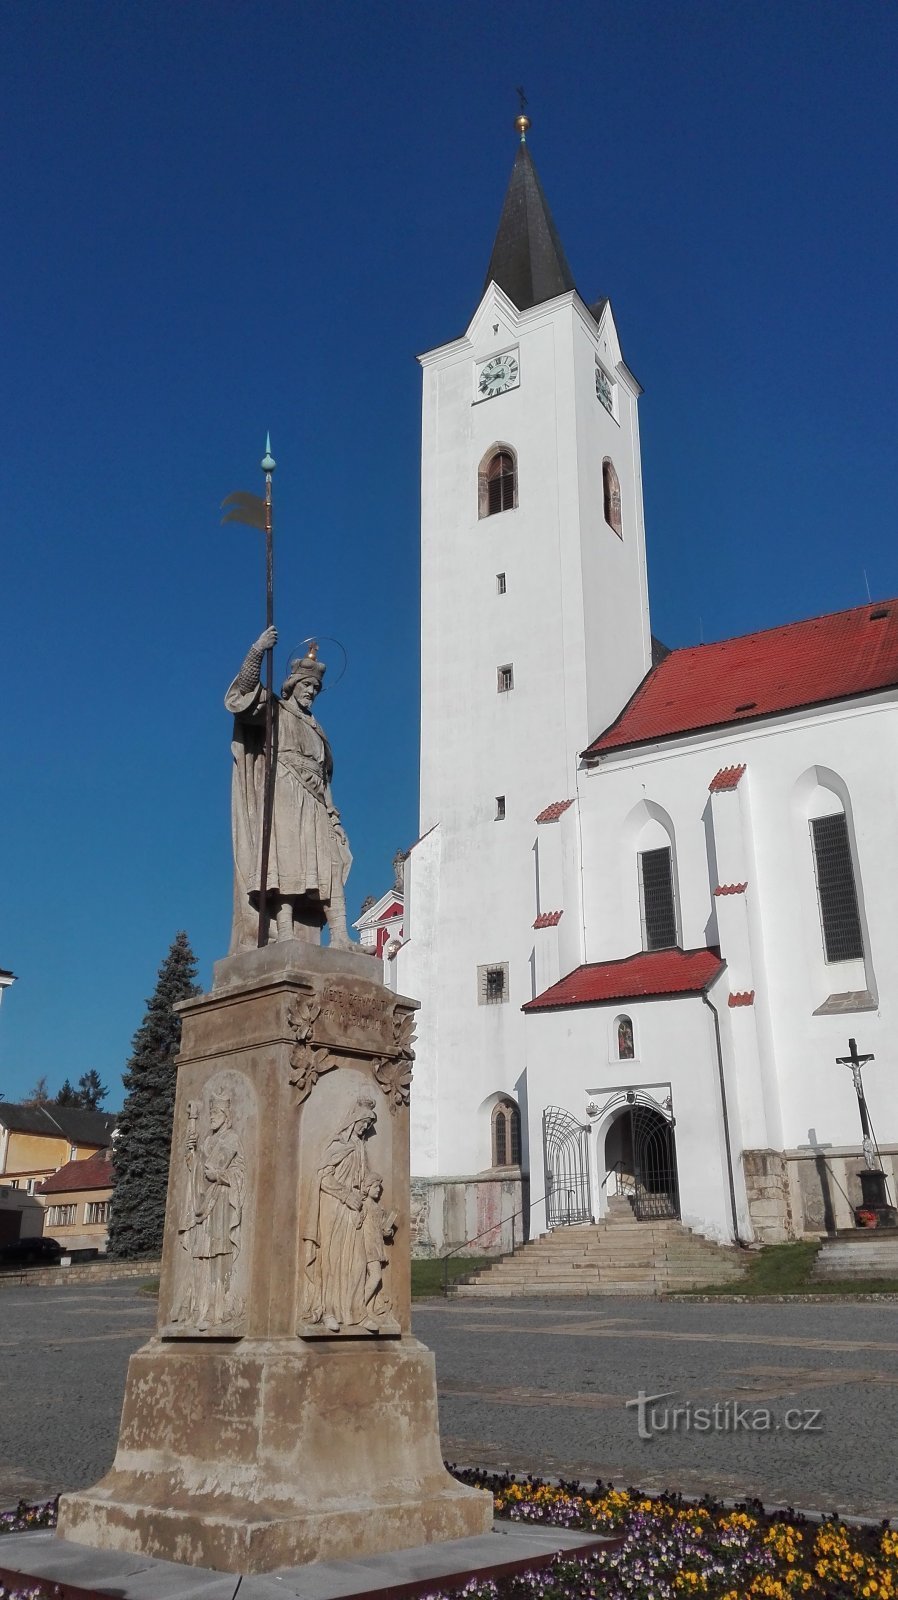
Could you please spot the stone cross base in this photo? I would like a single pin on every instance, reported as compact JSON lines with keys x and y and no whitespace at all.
{"x":284,"y":1414}
{"x":258,"y":1457}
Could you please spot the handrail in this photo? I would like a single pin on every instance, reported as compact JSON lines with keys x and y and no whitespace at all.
{"x":615,"y":1167}
{"x":492,"y":1229}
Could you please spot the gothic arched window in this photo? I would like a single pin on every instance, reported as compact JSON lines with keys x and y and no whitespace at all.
{"x":498,"y":482}
{"x":611,"y":495}
{"x":625,"y":1046}
{"x":506,"y":1134}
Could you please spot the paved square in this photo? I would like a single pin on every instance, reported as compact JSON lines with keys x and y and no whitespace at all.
{"x":532,"y":1385}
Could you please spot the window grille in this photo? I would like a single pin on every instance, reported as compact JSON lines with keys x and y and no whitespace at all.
{"x":659,"y":915}
{"x":505,"y":678}
{"x":492,"y":984}
{"x":842,"y":938}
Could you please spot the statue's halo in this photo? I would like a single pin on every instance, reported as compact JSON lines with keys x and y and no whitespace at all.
{"x":331,"y":678}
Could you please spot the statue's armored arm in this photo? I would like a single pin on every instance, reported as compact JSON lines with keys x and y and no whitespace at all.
{"x":251,"y":671}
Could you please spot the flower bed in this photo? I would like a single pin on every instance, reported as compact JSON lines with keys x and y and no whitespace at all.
{"x":672,"y":1549}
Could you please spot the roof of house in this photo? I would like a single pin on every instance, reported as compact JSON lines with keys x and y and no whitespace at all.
{"x":528,"y":259}
{"x":74,"y":1123}
{"x":644,"y":976}
{"x":834,"y":657}
{"x":94,"y":1172}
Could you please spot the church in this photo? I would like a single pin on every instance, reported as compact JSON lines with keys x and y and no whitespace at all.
{"x":652,"y":896}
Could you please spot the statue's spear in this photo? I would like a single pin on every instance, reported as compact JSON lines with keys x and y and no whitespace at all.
{"x":256,"y":512}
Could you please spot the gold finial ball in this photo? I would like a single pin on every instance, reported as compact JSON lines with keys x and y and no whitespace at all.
{"x":522,"y":123}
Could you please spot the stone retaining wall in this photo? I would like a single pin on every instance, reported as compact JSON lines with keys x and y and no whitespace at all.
{"x":87,"y":1272}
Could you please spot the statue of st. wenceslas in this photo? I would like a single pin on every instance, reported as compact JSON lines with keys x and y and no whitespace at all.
{"x":309,"y":855}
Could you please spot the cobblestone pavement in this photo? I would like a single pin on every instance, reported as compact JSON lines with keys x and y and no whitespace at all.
{"x":533,"y":1386}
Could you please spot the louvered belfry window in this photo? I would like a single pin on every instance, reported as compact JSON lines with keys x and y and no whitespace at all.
{"x":659,"y":914}
{"x":842,"y":939}
{"x":500,"y":483}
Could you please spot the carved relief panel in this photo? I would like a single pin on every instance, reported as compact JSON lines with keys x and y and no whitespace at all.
{"x":351,"y":1070}
{"x":213,"y":1157}
{"x":347,"y":1221}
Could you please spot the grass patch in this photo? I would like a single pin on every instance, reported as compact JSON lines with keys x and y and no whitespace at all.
{"x":427,"y":1276}
{"x":786,"y":1269}
{"x":149,"y":1287}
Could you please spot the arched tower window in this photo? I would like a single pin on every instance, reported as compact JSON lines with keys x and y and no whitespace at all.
{"x":625,"y":1046}
{"x":498,"y":482}
{"x":506,"y":1134}
{"x":611,"y":493}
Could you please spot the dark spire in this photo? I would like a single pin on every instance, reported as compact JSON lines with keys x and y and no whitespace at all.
{"x":528,"y":261}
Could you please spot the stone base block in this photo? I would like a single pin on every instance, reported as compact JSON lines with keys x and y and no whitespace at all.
{"x":256,"y":1455}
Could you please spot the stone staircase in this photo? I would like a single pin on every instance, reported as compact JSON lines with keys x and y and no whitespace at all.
{"x":617,"y":1256}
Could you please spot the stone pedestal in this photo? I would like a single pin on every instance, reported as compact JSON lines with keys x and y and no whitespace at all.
{"x":283,"y":1413}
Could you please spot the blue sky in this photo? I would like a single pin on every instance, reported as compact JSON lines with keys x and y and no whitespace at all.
{"x":223,"y":218}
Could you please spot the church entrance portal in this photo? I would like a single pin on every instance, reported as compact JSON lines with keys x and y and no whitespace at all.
{"x":566,"y":1156}
{"x":640,"y":1151}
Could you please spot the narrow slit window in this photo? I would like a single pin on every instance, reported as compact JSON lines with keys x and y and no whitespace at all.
{"x":611,"y":496}
{"x":500,"y":808}
{"x":505,"y":679}
{"x":836,"y":891}
{"x":500,"y":582}
{"x":659,"y":913}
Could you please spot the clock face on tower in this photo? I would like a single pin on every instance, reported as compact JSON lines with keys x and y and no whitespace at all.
{"x":498,"y":374}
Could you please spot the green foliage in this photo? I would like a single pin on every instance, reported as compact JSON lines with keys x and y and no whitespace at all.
{"x":787,"y":1268}
{"x":427,"y":1275}
{"x":144,"y":1129}
{"x":89,"y":1093}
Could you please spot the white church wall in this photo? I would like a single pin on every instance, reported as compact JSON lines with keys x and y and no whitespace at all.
{"x":568,"y":1066}
{"x":788,"y":1082}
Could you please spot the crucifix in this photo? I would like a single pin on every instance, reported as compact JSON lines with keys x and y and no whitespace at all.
{"x":856,"y":1062}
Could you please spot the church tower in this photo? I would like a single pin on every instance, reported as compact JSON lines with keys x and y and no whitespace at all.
{"x":534,"y":634}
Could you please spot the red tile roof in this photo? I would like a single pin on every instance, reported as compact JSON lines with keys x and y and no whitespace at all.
{"x":548,"y":919}
{"x":726,"y":778}
{"x":554,"y":811}
{"x":643,"y":976}
{"x":742,"y":997}
{"x":781,"y":669}
{"x":95,"y":1172}
{"x":731,"y":888}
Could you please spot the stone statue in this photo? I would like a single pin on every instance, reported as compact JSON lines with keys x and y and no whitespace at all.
{"x":338,"y":1245}
{"x":309,"y":857}
{"x":378,"y":1228}
{"x":213,"y":1215}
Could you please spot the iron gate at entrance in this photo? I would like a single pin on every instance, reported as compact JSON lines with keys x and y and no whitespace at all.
{"x":656,"y":1190}
{"x":566,"y":1155}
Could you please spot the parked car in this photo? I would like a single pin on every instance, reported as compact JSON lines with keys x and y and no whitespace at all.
{"x":36,"y":1252}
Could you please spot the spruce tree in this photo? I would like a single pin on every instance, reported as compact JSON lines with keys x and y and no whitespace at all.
{"x":144,"y":1129}
{"x":68,"y":1095}
{"x":90,"y":1090}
